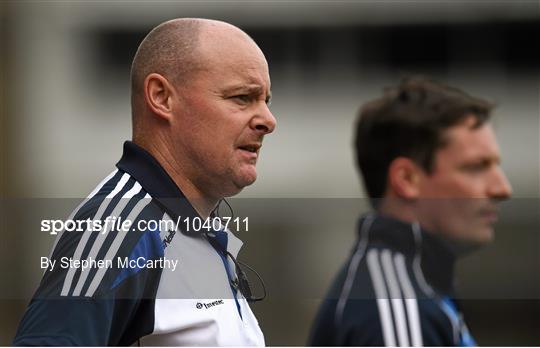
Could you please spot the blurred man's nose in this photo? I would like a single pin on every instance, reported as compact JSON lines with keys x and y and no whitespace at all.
{"x":264,"y":121}
{"x":499,"y":187}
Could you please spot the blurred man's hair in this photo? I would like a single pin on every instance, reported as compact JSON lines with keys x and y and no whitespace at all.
{"x":409,"y":121}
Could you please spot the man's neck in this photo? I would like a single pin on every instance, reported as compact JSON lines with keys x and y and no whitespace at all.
{"x":400,"y":210}
{"x":393,"y":208}
{"x":203,"y":204}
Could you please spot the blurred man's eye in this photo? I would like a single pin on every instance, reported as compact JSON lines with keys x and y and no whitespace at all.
{"x":477,"y":167}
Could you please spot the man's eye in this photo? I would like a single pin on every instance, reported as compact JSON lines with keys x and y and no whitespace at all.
{"x":476,"y":167}
{"x":244,"y":98}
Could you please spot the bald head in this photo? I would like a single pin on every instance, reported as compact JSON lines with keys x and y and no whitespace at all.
{"x":176,"y":49}
{"x":169,"y":50}
{"x":200,"y":98}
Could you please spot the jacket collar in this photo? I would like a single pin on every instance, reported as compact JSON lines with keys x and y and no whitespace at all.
{"x":154,"y":179}
{"x":141,"y":165}
{"x":437,"y":260}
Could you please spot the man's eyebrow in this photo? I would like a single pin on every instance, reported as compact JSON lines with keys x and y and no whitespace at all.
{"x":482,"y":160}
{"x":249,"y":88}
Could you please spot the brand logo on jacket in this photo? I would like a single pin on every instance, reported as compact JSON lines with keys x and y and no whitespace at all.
{"x":207,"y":305}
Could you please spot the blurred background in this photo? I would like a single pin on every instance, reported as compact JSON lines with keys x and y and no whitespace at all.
{"x":64,"y":82}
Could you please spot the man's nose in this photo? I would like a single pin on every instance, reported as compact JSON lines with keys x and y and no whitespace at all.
{"x":264,"y":121}
{"x":499,"y":187}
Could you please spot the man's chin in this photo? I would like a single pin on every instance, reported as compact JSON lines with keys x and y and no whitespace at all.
{"x":474,"y":241}
{"x":246,"y":176}
{"x":246,"y":181}
{"x":486,"y":237}
{"x":241,"y":181}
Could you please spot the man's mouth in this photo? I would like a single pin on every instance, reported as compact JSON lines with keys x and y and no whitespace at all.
{"x":253,"y":148}
{"x":491,"y":214}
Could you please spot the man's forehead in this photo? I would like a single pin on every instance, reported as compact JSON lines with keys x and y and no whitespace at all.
{"x":245,"y":61}
{"x":225,"y":53}
{"x":466,"y":140}
{"x":230,"y":74}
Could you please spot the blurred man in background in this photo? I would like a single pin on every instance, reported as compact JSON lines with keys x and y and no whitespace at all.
{"x":431,"y":166}
{"x":200,"y":94}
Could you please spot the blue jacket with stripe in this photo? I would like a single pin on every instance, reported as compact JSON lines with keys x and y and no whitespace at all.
{"x":395,"y":289}
{"x":192,"y":304}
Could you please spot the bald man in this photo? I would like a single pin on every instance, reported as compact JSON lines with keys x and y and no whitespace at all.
{"x":200,"y":95}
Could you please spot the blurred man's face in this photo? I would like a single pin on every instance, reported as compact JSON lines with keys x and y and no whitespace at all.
{"x":224,"y":115}
{"x":460,"y":196}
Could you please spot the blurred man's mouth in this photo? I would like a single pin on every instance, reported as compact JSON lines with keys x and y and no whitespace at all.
{"x":491,"y":214}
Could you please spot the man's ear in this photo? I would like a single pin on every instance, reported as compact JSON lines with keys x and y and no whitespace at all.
{"x":404,"y":178}
{"x":158,"y":94}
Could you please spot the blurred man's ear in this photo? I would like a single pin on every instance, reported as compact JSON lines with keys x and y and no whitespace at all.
{"x":404,"y":178}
